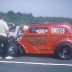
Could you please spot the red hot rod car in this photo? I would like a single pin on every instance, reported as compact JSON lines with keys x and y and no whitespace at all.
{"x":54,"y":39}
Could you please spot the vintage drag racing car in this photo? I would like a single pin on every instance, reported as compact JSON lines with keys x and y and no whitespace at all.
{"x":53,"y":39}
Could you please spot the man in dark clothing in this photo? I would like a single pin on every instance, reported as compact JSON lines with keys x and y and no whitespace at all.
{"x":3,"y":46}
{"x":3,"y":38}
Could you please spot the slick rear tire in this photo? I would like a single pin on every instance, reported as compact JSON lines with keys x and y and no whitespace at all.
{"x":63,"y":52}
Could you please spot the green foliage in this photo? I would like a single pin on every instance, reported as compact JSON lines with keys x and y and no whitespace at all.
{"x":23,"y":18}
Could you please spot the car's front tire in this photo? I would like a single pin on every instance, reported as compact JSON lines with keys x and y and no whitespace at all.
{"x":12,"y":50}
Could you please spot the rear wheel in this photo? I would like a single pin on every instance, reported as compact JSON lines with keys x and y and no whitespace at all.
{"x":63,"y":52}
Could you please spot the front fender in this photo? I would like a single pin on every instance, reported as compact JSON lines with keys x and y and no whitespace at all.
{"x":27,"y":47}
{"x":22,"y":46}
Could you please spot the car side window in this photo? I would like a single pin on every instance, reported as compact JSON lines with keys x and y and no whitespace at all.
{"x":38,"y":30}
{"x":57,"y":30}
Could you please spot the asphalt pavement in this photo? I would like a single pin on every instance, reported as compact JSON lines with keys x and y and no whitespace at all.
{"x":35,"y":64}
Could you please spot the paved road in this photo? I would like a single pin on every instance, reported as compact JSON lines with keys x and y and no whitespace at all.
{"x":35,"y":64}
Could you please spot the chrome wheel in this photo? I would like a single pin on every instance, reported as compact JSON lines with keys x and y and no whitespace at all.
{"x":64,"y":52}
{"x":12,"y":50}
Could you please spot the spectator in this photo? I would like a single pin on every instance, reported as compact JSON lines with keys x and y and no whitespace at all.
{"x":3,"y":39}
{"x":20,"y":31}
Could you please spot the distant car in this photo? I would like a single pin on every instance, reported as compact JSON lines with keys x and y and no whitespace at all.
{"x":13,"y":31}
{"x":54,"y":39}
{"x":10,"y":25}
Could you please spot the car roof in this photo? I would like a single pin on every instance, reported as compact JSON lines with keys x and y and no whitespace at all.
{"x":52,"y":24}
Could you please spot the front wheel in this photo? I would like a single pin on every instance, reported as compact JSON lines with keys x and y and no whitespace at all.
{"x":12,"y":50}
{"x":63,"y":52}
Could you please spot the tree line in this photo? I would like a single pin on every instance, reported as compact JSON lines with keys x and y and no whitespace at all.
{"x":28,"y":18}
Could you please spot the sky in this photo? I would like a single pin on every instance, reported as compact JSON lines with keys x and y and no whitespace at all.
{"x":48,"y":8}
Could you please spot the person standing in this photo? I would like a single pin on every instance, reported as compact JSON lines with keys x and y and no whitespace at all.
{"x":3,"y":38}
{"x":21,"y":29}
